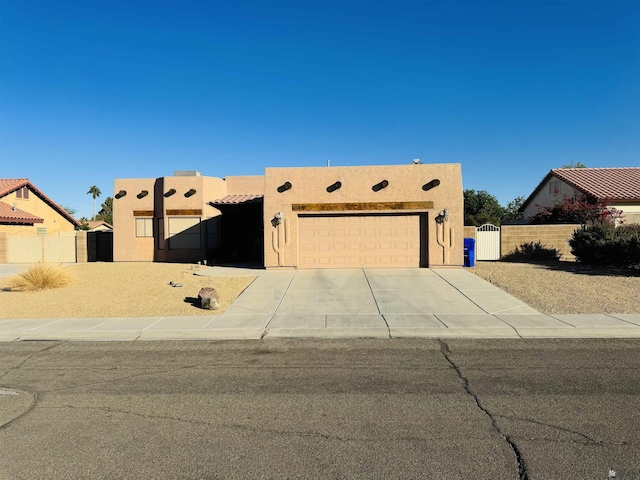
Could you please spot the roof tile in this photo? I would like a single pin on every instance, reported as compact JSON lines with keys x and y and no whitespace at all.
{"x":8,"y":185}
{"x":9,"y":215}
{"x":603,"y":183}
{"x":236,"y":199}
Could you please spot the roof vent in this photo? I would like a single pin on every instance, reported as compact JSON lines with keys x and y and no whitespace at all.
{"x":186,"y":173}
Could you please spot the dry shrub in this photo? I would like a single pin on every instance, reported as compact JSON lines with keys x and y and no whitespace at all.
{"x":41,"y":277}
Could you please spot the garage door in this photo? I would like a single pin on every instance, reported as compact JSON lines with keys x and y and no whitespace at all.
{"x":350,"y":241}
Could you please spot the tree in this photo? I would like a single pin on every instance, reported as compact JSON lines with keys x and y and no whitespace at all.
{"x":574,"y":165}
{"x":481,"y":207}
{"x":95,"y":192}
{"x":84,"y":221}
{"x":106,"y":212}
{"x":70,"y":210}
{"x":512,"y":211}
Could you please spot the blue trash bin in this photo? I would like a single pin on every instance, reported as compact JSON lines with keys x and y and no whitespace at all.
{"x":469,"y":252}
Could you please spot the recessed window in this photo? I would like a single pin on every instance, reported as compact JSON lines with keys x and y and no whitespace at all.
{"x":554,"y":187}
{"x":22,"y":192}
{"x":184,"y":233}
{"x":144,"y":227}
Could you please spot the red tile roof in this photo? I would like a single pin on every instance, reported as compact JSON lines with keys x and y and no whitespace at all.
{"x":236,"y":199}
{"x":603,"y":183}
{"x":9,"y":185}
{"x":616,"y":184}
{"x":9,"y":215}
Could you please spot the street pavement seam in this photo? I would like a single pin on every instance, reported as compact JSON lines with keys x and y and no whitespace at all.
{"x":366,"y":277}
{"x":509,"y":325}
{"x":440,"y":320}
{"x":560,"y":320}
{"x":435,"y":270}
{"x":275,"y":310}
{"x":621,"y":319}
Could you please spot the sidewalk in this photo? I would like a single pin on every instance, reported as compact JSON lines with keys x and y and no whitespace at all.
{"x":382,"y":303}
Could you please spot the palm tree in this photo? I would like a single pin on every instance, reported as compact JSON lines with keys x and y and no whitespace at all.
{"x":95,"y":191}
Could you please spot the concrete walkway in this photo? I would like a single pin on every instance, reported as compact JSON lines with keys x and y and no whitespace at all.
{"x":385,"y":303}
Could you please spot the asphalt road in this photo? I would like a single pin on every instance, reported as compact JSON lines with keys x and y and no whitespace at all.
{"x":498,"y":409}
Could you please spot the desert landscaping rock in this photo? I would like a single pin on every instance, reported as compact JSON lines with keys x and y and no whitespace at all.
{"x":209,"y":298}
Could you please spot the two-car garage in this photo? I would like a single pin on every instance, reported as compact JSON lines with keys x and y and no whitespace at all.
{"x":364,"y":240}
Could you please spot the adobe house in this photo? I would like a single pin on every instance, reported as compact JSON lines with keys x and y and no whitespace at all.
{"x":308,"y":217}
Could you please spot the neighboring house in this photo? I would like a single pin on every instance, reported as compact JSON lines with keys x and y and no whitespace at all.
{"x":24,"y":209}
{"x":99,"y":226}
{"x":619,"y":187}
{"x":318,"y":217}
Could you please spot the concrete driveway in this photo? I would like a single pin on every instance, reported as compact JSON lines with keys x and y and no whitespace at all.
{"x":428,"y":303}
{"x":377,"y":300}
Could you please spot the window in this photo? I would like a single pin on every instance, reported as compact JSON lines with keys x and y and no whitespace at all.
{"x":41,"y":231}
{"x":144,"y":227}
{"x":554,"y":187}
{"x":22,"y":192}
{"x":184,"y":233}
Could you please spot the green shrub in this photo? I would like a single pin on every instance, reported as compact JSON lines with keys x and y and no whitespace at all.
{"x":533,"y":252}
{"x":607,"y":245}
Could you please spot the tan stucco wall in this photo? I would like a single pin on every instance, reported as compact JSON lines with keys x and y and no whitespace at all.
{"x":470,"y":232}
{"x":53,"y":221}
{"x":630,"y":211}
{"x":128,"y":247}
{"x":405,"y":185}
{"x":249,"y":185}
{"x":552,"y":236}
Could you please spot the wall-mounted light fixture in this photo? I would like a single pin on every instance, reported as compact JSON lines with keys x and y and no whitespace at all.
{"x":284,"y":187}
{"x":170,"y":192}
{"x":143,"y":194}
{"x":121,"y":193}
{"x":334,"y":187}
{"x":432,"y":184}
{"x":190,"y":192}
{"x":379,"y":186}
{"x":443,"y":216}
{"x":277,"y":219}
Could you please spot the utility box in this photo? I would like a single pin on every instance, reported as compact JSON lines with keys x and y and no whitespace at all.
{"x":469,"y":252}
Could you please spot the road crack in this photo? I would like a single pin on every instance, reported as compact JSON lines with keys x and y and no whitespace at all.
{"x":587,"y":440}
{"x":29,"y":357}
{"x":522,"y":470}
{"x":34,"y":402}
{"x":235,"y":426}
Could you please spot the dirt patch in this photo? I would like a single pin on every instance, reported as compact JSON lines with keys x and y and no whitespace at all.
{"x":565,"y":287}
{"x":102,"y":290}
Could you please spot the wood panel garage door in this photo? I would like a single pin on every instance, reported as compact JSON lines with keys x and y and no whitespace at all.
{"x":354,"y":241}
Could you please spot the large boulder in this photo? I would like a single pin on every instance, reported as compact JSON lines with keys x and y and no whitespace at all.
{"x":209,"y":298}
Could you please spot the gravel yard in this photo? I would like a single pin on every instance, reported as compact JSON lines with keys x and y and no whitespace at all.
{"x":565,"y":287}
{"x":142,"y":290}
{"x":136,"y":289}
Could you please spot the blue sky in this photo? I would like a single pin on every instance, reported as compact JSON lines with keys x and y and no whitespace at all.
{"x":96,"y":90}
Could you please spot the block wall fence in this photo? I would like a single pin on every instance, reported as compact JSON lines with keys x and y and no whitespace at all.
{"x":551,"y":236}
